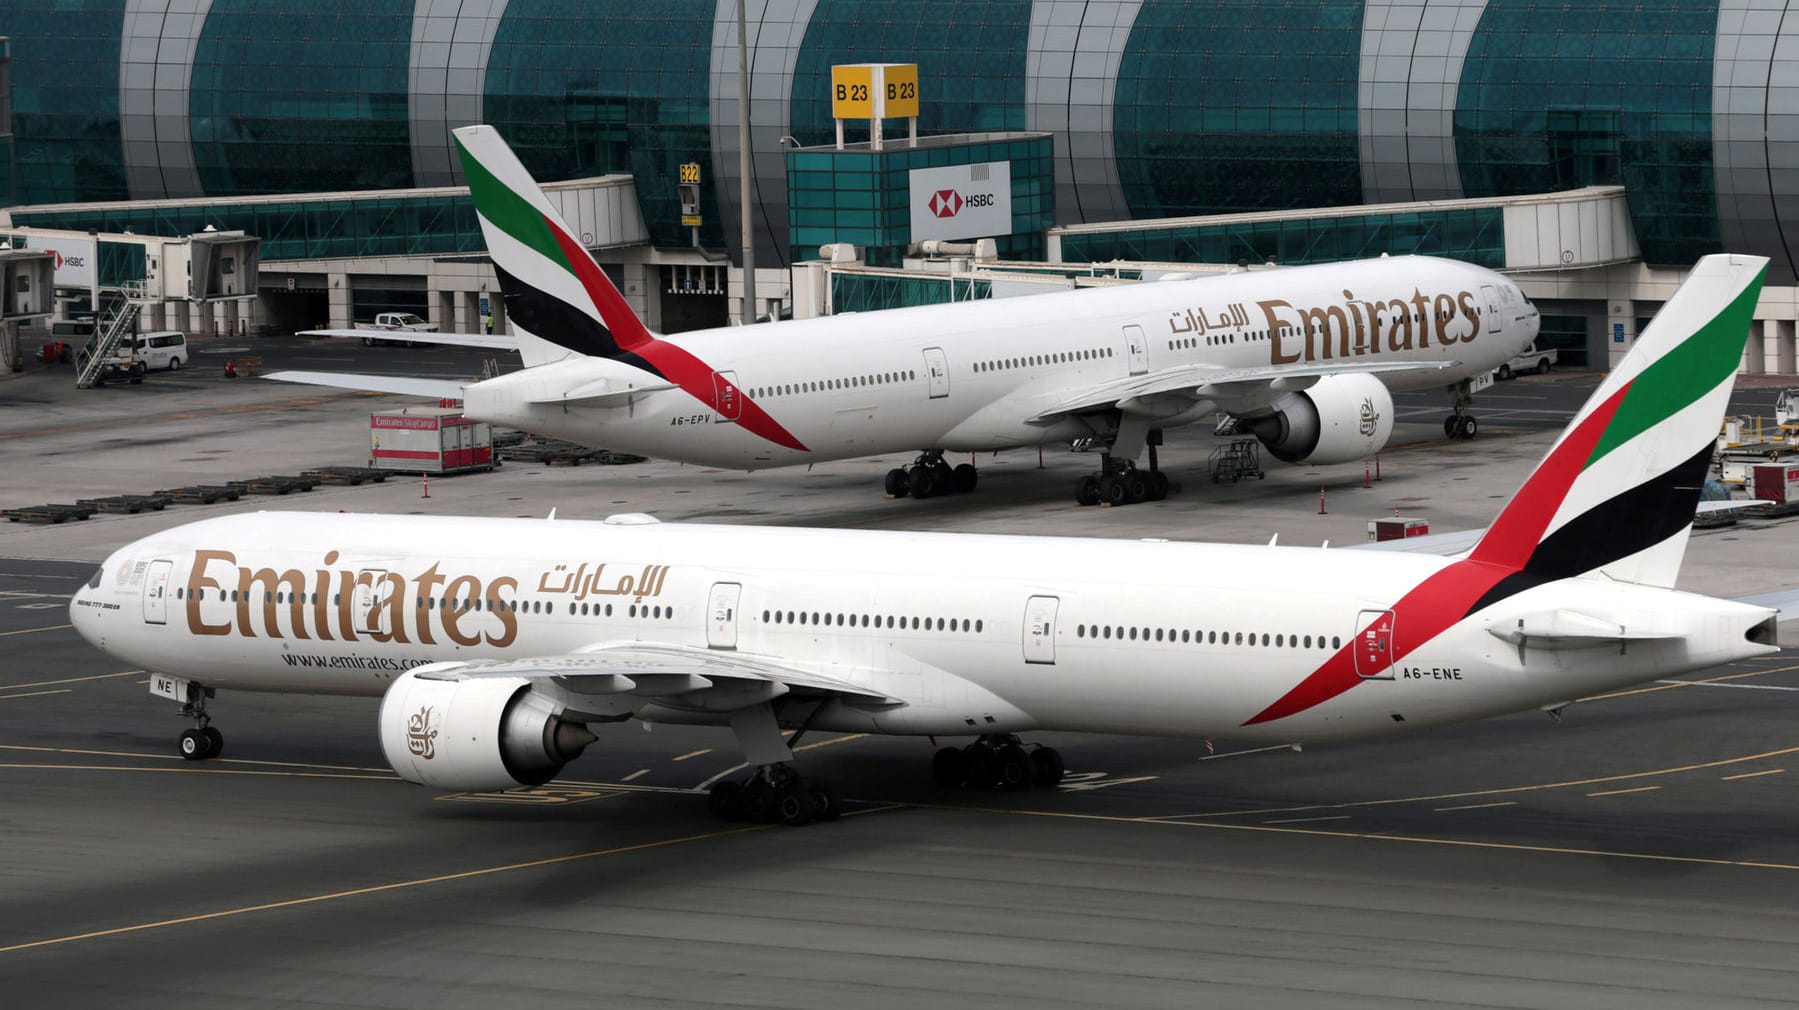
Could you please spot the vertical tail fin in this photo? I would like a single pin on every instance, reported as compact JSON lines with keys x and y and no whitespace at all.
{"x":1617,"y":491}
{"x":558,"y":299}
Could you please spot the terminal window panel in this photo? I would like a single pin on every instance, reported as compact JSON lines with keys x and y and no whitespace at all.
{"x":1556,"y":96}
{"x":64,"y":70}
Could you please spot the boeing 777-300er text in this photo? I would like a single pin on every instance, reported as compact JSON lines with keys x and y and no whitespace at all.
{"x":500,"y":646}
{"x":1302,"y":357}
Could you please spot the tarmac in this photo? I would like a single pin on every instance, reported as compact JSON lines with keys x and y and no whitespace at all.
{"x":1641,"y":852}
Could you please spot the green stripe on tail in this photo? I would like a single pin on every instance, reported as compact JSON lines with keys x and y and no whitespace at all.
{"x":508,"y":211}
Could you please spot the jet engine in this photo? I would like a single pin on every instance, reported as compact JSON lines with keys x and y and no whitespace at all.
{"x":478,"y":734}
{"x":1339,"y":419}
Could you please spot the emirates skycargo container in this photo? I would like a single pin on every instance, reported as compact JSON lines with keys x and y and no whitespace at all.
{"x":429,"y":440}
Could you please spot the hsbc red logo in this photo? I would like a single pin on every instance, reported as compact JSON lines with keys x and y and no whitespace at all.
{"x":58,"y":257}
{"x":946,"y":203}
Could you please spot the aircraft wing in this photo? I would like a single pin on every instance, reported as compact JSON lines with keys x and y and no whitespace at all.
{"x":1233,"y":389}
{"x":497,"y":341}
{"x":700,"y":679}
{"x":403,"y":384}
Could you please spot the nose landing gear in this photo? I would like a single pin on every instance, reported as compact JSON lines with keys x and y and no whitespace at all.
{"x":1462,"y":424}
{"x":204,"y":740}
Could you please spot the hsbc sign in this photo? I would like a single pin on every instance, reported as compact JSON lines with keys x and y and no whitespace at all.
{"x":962,"y":201}
{"x":73,"y":259}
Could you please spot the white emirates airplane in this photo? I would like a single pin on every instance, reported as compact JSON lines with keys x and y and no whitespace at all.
{"x":499,"y":646}
{"x":1303,"y":357}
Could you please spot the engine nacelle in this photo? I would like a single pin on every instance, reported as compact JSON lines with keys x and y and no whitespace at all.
{"x":1340,"y":419}
{"x":481,"y":734}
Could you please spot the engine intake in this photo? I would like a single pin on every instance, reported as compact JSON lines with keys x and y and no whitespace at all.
{"x":477,"y":735}
{"x":1340,"y":419}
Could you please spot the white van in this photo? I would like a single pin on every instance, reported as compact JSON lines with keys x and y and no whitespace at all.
{"x":162,"y":349}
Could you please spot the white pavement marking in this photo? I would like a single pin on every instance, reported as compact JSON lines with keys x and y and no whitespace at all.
{"x":1747,"y":687}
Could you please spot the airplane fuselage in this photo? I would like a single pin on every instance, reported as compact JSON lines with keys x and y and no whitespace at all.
{"x":977,"y":634}
{"x":977,"y":375}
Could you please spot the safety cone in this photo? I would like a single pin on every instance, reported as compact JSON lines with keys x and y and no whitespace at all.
{"x":1321,"y":502}
{"x":427,"y":493}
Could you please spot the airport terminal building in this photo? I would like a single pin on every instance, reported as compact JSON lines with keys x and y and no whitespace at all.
{"x":1594,"y":149}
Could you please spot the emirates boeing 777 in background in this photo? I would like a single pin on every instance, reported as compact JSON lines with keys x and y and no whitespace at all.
{"x":1303,"y":357}
{"x":500,"y":647}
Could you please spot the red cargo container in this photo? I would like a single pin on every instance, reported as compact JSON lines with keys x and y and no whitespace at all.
{"x":429,"y":440}
{"x":1397,"y":528}
{"x":1775,"y":482}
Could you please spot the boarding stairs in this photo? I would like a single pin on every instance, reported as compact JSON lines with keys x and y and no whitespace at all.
{"x":113,"y":326}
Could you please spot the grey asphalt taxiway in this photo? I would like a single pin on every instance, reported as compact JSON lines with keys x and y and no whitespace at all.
{"x":1644,"y":852}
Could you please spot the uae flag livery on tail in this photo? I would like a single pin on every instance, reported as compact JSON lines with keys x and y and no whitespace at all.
{"x":1615,"y":495}
{"x":558,"y":300}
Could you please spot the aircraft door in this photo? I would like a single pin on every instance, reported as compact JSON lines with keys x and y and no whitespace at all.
{"x":1373,"y":645}
{"x":365,"y":602}
{"x":156,"y":592}
{"x":1040,"y":629}
{"x":1136,"y":347}
{"x":936,"y":370}
{"x":721,"y":615}
{"x":1495,"y":318}
{"x":727,"y":397}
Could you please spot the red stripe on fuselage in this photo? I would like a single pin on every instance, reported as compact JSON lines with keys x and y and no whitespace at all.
{"x":679,"y":366}
{"x":1435,"y":604}
{"x":675,"y":364}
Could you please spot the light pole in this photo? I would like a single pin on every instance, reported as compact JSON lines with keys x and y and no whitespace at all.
{"x":743,"y":162}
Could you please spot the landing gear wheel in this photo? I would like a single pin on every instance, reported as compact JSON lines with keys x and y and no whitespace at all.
{"x":1136,"y":488}
{"x":759,"y":802}
{"x":793,"y":803}
{"x":963,"y":478}
{"x":923,"y":482}
{"x":827,"y":805}
{"x":1013,"y":768}
{"x":944,"y":476}
{"x":1086,"y":492}
{"x":194,"y":745}
{"x":1469,"y":427}
{"x":728,"y":802}
{"x":1158,"y":486}
{"x":982,"y":766}
{"x":899,"y":483}
{"x":1112,"y":490}
{"x":215,"y":742}
{"x":949,"y":766}
{"x":1047,"y":762}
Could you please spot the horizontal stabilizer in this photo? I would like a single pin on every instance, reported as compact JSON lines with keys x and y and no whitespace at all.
{"x":605,"y":393}
{"x":496,"y":341}
{"x":1570,"y":629}
{"x":402,"y":384}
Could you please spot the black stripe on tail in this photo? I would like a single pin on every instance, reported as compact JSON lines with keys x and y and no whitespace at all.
{"x":554,"y":320}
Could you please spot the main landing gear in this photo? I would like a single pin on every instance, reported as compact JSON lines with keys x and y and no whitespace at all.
{"x":997,"y":761}
{"x":1119,"y":481}
{"x":1462,"y":424}
{"x":204,"y":740}
{"x":774,"y":792}
{"x":930,"y":475}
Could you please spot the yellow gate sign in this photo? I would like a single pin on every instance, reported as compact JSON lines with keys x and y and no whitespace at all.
{"x":899,"y":91}
{"x":690,"y":171}
{"x":852,"y":91}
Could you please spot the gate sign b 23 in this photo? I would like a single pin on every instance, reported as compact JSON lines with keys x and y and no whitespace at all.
{"x":962,"y":201}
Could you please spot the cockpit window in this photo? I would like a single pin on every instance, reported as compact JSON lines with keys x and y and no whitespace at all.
{"x":94,"y":583}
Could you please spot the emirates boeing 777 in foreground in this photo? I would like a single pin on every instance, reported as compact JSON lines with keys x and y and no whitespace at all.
{"x":500,"y":647}
{"x":1301,"y":357}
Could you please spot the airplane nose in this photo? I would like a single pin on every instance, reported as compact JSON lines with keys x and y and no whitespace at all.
{"x":83,"y":609}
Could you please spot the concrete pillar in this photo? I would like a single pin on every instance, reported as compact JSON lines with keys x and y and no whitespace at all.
{"x":498,"y":305}
{"x":646,"y":279}
{"x":338,"y":297}
{"x":471,"y":310}
{"x":1770,"y":343}
{"x":1618,"y":320}
{"x":1783,"y":346}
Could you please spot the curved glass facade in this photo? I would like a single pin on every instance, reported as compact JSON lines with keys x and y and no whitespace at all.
{"x":309,"y":99}
{"x":65,"y":100}
{"x":1474,"y":235}
{"x":1160,"y":108}
{"x":1558,"y":95}
{"x":970,"y":56}
{"x":1239,"y":105}
{"x":581,"y":89}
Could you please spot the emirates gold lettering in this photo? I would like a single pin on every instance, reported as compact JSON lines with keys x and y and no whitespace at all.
{"x":1360,"y":326}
